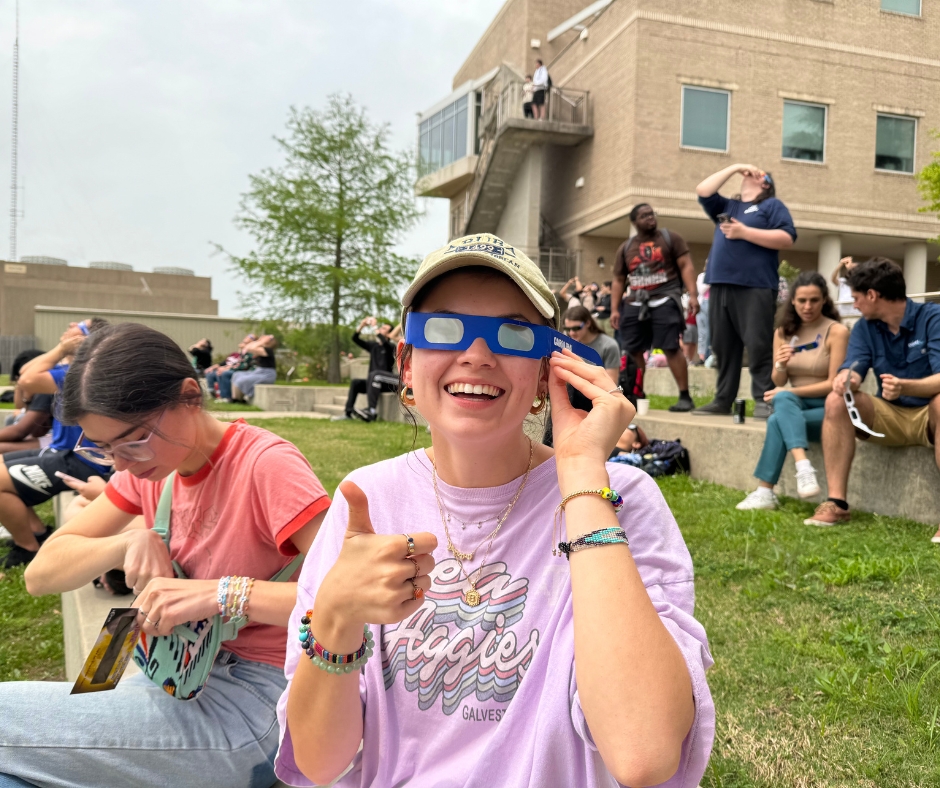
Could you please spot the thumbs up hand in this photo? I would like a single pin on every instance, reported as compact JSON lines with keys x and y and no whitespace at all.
{"x":374,"y":580}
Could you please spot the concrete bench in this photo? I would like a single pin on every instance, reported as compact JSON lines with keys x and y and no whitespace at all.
{"x":659,"y":381}
{"x":897,"y":482}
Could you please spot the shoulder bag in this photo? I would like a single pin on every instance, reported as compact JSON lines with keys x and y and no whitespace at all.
{"x":179,"y":663}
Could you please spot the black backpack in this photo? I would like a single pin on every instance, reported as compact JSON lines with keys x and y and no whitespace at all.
{"x":630,"y":379}
{"x":665,"y":458}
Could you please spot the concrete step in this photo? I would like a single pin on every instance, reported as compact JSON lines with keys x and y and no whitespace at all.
{"x":898,"y":482}
{"x":331,"y":410}
{"x":339,"y":401}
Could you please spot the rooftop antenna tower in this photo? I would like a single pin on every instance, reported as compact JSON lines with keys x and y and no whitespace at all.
{"x":13,"y":139}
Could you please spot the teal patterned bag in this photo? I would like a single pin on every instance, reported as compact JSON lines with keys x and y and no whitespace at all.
{"x":179,"y":663}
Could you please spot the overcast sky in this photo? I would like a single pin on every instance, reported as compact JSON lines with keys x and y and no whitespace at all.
{"x":140,"y":122}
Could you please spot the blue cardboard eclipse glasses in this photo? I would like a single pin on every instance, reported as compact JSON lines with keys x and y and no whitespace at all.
{"x":446,"y":331}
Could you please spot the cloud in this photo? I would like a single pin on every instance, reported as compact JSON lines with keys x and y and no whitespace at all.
{"x":140,"y":122}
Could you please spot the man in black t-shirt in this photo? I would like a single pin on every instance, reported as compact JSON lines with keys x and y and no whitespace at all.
{"x":380,"y":378}
{"x":655,"y":264}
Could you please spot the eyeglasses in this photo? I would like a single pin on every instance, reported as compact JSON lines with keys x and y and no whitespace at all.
{"x":83,"y":328}
{"x":569,"y":329}
{"x":132,"y":451}
{"x":446,"y":331}
{"x":854,"y":415}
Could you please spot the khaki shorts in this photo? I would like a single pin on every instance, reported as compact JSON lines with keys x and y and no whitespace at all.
{"x":901,"y":426}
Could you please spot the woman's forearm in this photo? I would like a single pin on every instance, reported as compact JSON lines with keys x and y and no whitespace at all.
{"x":322,"y":703}
{"x":715,"y":181}
{"x":779,"y":377}
{"x":271,"y":603}
{"x":69,"y":561}
{"x":820,"y":389}
{"x":637,"y":717}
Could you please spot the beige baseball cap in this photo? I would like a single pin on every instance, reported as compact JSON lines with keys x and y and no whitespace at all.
{"x":492,"y":252}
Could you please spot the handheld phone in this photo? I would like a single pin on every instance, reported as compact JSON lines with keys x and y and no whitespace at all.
{"x":66,"y":478}
{"x":723,"y":218}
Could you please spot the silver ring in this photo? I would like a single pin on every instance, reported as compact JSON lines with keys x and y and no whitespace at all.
{"x":154,"y":624}
{"x":619,"y":388}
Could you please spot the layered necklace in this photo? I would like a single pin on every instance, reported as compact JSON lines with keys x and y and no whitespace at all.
{"x":471,"y":595}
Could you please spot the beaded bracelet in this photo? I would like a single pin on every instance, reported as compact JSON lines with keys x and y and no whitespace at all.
{"x":223,"y":593}
{"x":593,"y":539}
{"x":327,"y":660}
{"x":558,"y":523}
{"x":243,"y":599}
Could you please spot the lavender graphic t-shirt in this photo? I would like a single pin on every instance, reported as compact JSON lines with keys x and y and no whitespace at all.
{"x":458,"y":696}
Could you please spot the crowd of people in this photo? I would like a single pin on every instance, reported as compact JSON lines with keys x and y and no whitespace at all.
{"x":206,"y":519}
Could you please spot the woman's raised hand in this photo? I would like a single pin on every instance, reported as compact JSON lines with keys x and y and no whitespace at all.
{"x":371,"y":581}
{"x":580,"y":436}
{"x":145,"y":557}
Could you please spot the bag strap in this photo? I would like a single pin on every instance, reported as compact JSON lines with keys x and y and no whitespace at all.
{"x":161,"y":524}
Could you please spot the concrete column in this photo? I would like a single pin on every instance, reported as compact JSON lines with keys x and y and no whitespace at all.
{"x":915,"y":267}
{"x":830,"y":252}
{"x":519,"y":223}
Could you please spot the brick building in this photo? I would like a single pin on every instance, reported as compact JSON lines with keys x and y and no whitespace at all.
{"x":836,"y":98}
{"x":26,"y":285}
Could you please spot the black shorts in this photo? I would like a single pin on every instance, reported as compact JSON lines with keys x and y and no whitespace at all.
{"x":662,"y":330}
{"x":538,"y":97}
{"x":33,"y":474}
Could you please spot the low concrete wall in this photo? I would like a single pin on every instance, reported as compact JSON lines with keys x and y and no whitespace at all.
{"x":897,"y":482}
{"x":659,"y":381}
{"x":273,"y":397}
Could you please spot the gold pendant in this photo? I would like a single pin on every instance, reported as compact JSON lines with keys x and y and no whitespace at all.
{"x":472,"y":597}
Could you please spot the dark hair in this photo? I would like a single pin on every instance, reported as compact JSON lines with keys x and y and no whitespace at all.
{"x":539,"y":62}
{"x":126,"y":372}
{"x":96,"y":324}
{"x":20,"y":361}
{"x":582,"y":314}
{"x":635,"y":211}
{"x":880,"y":274}
{"x":790,"y":320}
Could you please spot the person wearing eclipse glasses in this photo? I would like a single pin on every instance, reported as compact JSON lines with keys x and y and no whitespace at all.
{"x":34,"y":476}
{"x":750,"y":229}
{"x":809,"y":348}
{"x":899,"y":340}
{"x":236,"y":504}
{"x":443,"y":625}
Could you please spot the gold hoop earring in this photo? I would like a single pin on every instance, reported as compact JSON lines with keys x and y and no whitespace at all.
{"x":539,"y":405}
{"x":408,"y":402}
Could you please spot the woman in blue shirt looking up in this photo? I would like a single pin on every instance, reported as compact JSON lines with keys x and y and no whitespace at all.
{"x":742,"y":270}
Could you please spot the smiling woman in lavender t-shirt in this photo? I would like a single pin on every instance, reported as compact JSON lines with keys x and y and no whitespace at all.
{"x":582,"y":673}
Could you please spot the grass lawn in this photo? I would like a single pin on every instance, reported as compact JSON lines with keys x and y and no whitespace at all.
{"x":826,"y":642}
{"x":214,"y":404}
{"x":660,"y":402}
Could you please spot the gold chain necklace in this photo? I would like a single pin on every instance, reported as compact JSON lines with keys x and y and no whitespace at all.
{"x":472,"y":596}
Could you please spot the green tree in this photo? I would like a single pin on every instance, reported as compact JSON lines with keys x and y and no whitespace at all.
{"x":928,"y":181}
{"x":326,"y":222}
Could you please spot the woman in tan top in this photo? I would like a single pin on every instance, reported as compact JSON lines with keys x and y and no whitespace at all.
{"x":809,"y":348}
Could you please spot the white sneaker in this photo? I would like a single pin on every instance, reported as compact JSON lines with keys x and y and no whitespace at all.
{"x":806,"y":484}
{"x":758,"y":500}
{"x":5,"y":535}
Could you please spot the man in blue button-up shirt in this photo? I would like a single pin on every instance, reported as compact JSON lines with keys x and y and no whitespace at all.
{"x":899,"y":340}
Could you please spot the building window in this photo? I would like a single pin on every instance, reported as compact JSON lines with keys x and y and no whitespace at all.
{"x":894,"y":143}
{"x":911,"y":7}
{"x":804,"y":131}
{"x":705,"y":118}
{"x":442,"y":138}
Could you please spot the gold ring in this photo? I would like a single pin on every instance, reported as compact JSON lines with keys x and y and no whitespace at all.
{"x":416,"y":592}
{"x":415,"y":562}
{"x":411,"y":544}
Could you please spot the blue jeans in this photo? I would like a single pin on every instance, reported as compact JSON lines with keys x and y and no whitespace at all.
{"x":137,"y":735}
{"x":794,"y":423}
{"x":701,"y":320}
{"x":247,"y":380}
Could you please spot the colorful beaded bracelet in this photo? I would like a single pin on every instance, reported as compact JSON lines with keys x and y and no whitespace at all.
{"x":593,"y":539}
{"x":327,"y":660}
{"x":558,"y":524}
